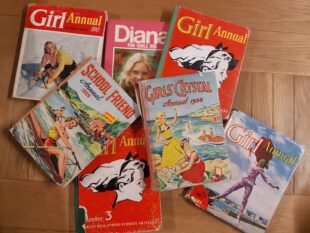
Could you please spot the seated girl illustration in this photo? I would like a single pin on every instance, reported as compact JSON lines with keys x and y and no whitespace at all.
{"x":172,"y":151}
{"x":56,"y":132}
{"x":205,"y":57}
{"x":194,"y":170}
{"x":124,"y":176}
{"x":258,"y":163}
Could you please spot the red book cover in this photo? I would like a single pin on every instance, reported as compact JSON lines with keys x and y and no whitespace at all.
{"x":55,"y":40}
{"x":114,"y":193}
{"x":198,"y":42}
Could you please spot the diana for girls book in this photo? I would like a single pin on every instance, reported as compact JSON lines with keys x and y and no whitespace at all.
{"x":75,"y":122}
{"x":114,"y":192}
{"x":185,"y":132}
{"x":55,"y":40}
{"x":197,"y":42}
{"x":263,"y":162}
{"x":133,"y":50}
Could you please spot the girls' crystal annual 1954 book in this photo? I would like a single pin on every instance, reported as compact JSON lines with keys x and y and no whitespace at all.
{"x":263,"y":162}
{"x":185,"y":131}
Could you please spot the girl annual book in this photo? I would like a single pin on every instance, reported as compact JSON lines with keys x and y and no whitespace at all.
{"x":114,"y":192}
{"x":197,"y":42}
{"x":55,"y":40}
{"x":263,"y":162}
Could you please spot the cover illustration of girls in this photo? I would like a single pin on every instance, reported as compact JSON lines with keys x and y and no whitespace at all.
{"x":56,"y":132}
{"x":123,"y":176}
{"x":194,"y":170}
{"x":258,"y":163}
{"x":172,"y":151}
{"x":204,"y":58}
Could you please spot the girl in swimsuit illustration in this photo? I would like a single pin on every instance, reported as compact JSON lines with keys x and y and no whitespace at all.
{"x":172,"y":151}
{"x":56,"y":132}
{"x":194,"y":170}
{"x":124,"y":176}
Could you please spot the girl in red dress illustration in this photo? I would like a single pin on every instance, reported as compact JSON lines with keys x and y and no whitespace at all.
{"x":194,"y":170}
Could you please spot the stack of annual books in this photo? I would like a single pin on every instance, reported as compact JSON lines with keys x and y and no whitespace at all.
{"x":151,"y":121}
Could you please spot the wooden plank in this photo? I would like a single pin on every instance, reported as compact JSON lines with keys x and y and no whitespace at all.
{"x":8,"y":41}
{"x":277,"y":52}
{"x":292,"y":215}
{"x":36,"y":205}
{"x":282,"y":48}
{"x":262,"y":97}
{"x":14,"y":165}
{"x":31,"y":230}
{"x":257,"y":15}
{"x":28,"y":206}
{"x":302,"y":129}
{"x":243,"y":97}
{"x":283,"y":109}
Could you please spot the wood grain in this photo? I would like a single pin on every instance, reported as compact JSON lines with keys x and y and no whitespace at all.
{"x":283,"y":109}
{"x":273,"y":87}
{"x":262,"y":97}
{"x":243,"y":97}
{"x":302,"y":129}
{"x":36,"y":205}
{"x":279,"y":40}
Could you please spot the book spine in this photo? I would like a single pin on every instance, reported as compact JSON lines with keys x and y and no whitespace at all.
{"x":167,"y":43}
{"x":147,"y":137}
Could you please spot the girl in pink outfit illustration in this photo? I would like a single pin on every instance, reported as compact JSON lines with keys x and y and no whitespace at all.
{"x":256,"y":168}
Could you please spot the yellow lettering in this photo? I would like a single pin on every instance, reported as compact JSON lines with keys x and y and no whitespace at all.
{"x":187,"y":30}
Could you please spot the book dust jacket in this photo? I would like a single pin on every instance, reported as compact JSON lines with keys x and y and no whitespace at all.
{"x":185,"y":132}
{"x":133,"y":50}
{"x":114,"y":191}
{"x":263,"y":162}
{"x":197,"y":42}
{"x":75,"y":122}
{"x":55,"y":40}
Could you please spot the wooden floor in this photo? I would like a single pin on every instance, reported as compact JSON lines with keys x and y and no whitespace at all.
{"x":274,"y":87}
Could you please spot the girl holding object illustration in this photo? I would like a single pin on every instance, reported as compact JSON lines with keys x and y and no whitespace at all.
{"x":172,"y":151}
{"x":124,"y":176}
{"x":138,"y":67}
{"x":194,"y":170}
{"x":247,"y":182}
{"x":56,"y":132}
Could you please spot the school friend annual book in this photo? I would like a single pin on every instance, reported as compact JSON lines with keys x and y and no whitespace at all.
{"x":185,"y":131}
{"x":75,"y":121}
{"x":133,"y":50}
{"x":197,"y":42}
{"x":263,"y":162}
{"x":55,"y":40}
{"x":114,"y":191}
